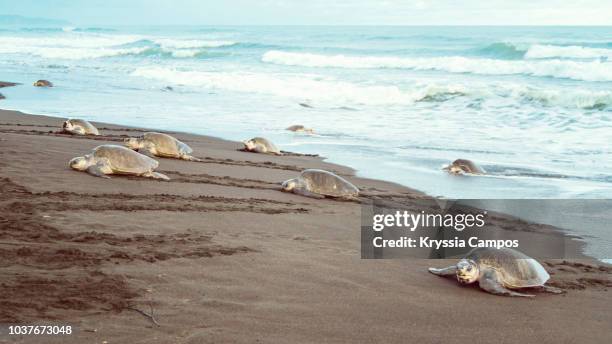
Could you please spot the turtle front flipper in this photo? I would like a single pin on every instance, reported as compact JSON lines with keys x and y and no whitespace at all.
{"x":302,"y":191}
{"x":449,"y":271}
{"x":490,"y":282}
{"x":260,"y":149}
{"x":97,"y":170}
{"x":148,"y":151}
{"x":78,"y":131}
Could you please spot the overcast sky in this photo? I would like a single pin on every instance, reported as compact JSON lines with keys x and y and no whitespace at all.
{"x":317,"y":12}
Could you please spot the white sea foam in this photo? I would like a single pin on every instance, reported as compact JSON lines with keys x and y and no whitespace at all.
{"x":76,"y":46}
{"x":168,"y":43}
{"x":575,"y":98}
{"x":73,"y":53}
{"x":578,"y":70}
{"x":184,"y":53}
{"x":72,"y":40}
{"x":332,"y":91}
{"x":552,"y":51}
{"x":297,"y":86}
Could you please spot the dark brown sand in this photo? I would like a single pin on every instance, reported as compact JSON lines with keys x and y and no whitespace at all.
{"x":222,"y":256}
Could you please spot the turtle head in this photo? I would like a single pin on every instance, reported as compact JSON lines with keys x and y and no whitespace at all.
{"x":67,"y":126}
{"x":132,"y":143}
{"x":453,"y":169}
{"x":79,"y":163}
{"x":290,"y":184}
{"x":249,"y":144}
{"x":467,"y":271}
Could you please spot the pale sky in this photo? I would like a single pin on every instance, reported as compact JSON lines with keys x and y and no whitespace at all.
{"x":317,"y":12}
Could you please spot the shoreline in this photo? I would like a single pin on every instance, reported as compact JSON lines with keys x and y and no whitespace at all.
{"x":344,"y":170}
{"x":221,"y":255}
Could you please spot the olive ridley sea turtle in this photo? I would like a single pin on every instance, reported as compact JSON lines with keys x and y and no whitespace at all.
{"x":79,"y":127}
{"x":300,"y":128}
{"x":43,"y":83}
{"x":320,"y":184}
{"x":461,"y":166}
{"x":113,"y":159}
{"x":261,"y":145}
{"x":161,"y":145}
{"x":498,"y":270}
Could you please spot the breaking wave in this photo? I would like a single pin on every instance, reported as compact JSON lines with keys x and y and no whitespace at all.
{"x":502,"y":50}
{"x":168,"y":43}
{"x":300,"y":87}
{"x":577,"y":70}
{"x":333,"y":91}
{"x":87,"y":46}
{"x":573,"y":51}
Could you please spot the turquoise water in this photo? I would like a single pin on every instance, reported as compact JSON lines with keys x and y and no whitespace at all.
{"x":532,"y":105}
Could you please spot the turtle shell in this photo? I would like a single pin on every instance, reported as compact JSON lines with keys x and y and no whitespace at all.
{"x":270,"y":147}
{"x":516,"y":269}
{"x":166,"y":145}
{"x":327,"y":183}
{"x":88,"y":127}
{"x":125,"y":160}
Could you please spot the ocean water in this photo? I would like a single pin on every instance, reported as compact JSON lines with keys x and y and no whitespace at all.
{"x":532,"y":105}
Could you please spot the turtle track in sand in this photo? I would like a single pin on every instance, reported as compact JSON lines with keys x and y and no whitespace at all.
{"x":57,"y":126}
{"x":285,"y":153}
{"x":265,"y":164}
{"x":115,"y":138}
{"x":120,"y":138}
{"x":48,"y":273}
{"x":202,"y":178}
{"x":64,"y":201}
{"x":572,"y":275}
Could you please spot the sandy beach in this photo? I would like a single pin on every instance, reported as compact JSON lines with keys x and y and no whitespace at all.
{"x":222,"y":256}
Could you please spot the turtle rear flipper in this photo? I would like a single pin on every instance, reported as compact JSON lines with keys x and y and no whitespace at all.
{"x":190,"y":158}
{"x":550,"y":289}
{"x":490,"y":282}
{"x":155,"y":175}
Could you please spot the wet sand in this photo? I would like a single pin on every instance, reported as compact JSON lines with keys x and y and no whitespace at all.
{"x":222,"y":256}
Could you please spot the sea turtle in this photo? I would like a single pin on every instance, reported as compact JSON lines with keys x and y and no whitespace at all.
{"x":498,"y":270}
{"x":113,"y":159}
{"x":320,"y":184}
{"x":43,"y":83}
{"x":300,"y":128}
{"x":79,"y":127}
{"x":461,"y":166}
{"x":161,"y":145}
{"x":261,"y":145}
